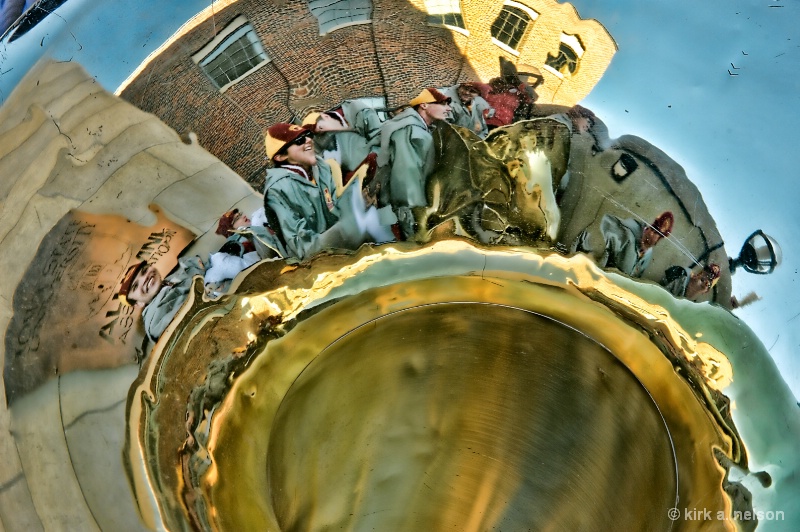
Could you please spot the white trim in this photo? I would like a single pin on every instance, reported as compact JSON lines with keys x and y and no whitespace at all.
{"x":505,"y":47}
{"x":533,"y":14}
{"x":573,"y":42}
{"x":553,"y":71}
{"x":346,"y":24}
{"x":463,"y":31}
{"x":232,"y":26}
{"x":442,"y":7}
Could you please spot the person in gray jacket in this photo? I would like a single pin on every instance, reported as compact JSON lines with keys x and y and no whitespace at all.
{"x":406,"y":155}
{"x":685,"y":282}
{"x":301,"y":200}
{"x":468,"y":107}
{"x":628,"y":243}
{"x":249,"y":240}
{"x":347,"y":133}
{"x":160,"y":298}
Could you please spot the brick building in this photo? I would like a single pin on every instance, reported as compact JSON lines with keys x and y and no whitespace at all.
{"x":233,"y":70}
{"x":571,"y":53}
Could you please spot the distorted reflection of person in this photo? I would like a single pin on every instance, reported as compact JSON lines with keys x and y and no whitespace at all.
{"x":628,"y":243}
{"x":406,"y":155}
{"x":685,"y":282}
{"x":500,"y":190}
{"x":160,"y":298}
{"x":248,"y":240}
{"x":582,"y":119}
{"x":346,"y":134}
{"x":468,"y":108}
{"x":510,"y":95}
{"x":301,"y":200}
{"x":503,"y":97}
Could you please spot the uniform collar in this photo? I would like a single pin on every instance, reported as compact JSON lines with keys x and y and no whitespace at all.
{"x":299,"y":170}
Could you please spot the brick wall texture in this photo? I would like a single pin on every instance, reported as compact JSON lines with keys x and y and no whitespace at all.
{"x":394,"y":55}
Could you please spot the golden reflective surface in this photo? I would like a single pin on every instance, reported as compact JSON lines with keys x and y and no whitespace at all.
{"x":468,"y":417}
{"x":474,"y":378}
{"x":306,"y":415}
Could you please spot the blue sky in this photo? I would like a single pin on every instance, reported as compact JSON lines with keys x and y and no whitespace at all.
{"x":668,"y":83}
{"x":734,"y":135}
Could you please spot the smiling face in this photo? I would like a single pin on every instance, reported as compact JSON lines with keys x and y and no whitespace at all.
{"x":145,"y":286}
{"x":299,"y":152}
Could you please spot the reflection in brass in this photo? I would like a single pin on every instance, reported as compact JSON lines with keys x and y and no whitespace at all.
{"x":433,"y":388}
{"x":501,"y":190}
{"x":68,"y":295}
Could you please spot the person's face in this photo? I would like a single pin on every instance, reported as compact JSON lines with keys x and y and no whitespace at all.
{"x":699,"y":283}
{"x":300,"y":152}
{"x":241,"y":220}
{"x":145,"y":285}
{"x":582,"y":124}
{"x":326,"y":123}
{"x":438,"y":111}
{"x":465,"y":95}
{"x":650,"y":237}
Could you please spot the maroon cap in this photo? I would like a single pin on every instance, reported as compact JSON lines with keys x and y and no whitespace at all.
{"x":225,"y":225}
{"x":127,"y":281}
{"x":429,"y":95}
{"x":281,"y":134}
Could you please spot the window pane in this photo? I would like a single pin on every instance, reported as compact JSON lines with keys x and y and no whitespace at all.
{"x":333,"y":13}
{"x":449,"y":19}
{"x":510,"y":26}
{"x":239,"y":52}
{"x":565,"y":62}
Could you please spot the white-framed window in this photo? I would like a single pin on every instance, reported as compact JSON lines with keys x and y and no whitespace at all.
{"x":234,"y":53}
{"x":446,"y":13}
{"x":335,"y":14}
{"x":565,"y":62}
{"x":510,"y":25}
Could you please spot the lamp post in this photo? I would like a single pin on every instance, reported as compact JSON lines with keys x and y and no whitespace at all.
{"x":760,"y":254}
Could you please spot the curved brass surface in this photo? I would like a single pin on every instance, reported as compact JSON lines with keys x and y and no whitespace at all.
{"x":439,"y":384}
{"x":321,"y":372}
{"x":469,"y":416}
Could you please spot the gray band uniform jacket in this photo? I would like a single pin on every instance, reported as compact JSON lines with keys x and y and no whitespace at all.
{"x":310,"y":215}
{"x":676,"y":279}
{"x":158,"y":314}
{"x":407,"y":148}
{"x":471,"y":118}
{"x":352,"y":146}
{"x":622,"y":238}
